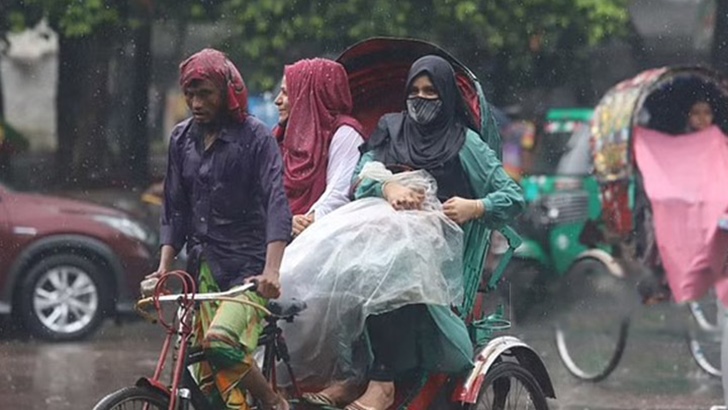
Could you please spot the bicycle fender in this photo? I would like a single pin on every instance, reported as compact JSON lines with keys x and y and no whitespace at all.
{"x":467,"y":392}
{"x":153,"y":384}
{"x":605,"y":258}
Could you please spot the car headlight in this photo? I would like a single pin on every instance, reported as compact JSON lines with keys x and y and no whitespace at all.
{"x":127,"y":227}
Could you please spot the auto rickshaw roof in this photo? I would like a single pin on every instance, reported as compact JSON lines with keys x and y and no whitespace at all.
{"x":570,"y":114}
{"x":560,"y":120}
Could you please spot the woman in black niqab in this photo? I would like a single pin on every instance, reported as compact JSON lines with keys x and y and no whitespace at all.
{"x":429,"y":134}
{"x":432,"y":130}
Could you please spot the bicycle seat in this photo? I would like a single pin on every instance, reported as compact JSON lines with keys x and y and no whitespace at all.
{"x":286,"y":307}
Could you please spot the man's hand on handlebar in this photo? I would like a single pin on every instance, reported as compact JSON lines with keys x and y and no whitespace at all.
{"x":156,"y":274}
{"x":165,"y":262}
{"x":268,"y":284}
{"x":149,"y":283}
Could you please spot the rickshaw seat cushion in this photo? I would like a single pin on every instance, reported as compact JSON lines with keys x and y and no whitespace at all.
{"x":286,"y":307}
{"x":684,"y":180}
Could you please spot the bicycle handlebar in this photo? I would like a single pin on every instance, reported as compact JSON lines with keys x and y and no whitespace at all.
{"x":210,"y":297}
{"x":227,"y":296}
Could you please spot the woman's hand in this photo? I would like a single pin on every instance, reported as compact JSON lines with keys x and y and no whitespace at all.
{"x":401,"y":197}
{"x":461,"y":210}
{"x":300,"y":223}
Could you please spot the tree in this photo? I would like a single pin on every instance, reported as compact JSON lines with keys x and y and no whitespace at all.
{"x":515,"y":43}
{"x":86,"y":32}
{"x":90,"y":33}
{"x":521,"y":43}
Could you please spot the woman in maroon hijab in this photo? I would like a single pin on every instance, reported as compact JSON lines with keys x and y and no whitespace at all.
{"x":319,"y":140}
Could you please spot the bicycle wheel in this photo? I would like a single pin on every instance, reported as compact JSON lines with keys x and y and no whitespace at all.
{"x":706,"y":311}
{"x":509,"y":386}
{"x":593,"y":322}
{"x":133,"y":398}
{"x":705,"y":349}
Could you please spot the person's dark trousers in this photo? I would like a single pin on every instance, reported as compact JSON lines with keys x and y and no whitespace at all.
{"x":393,"y":341}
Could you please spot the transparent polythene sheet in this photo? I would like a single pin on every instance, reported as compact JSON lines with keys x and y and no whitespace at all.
{"x":366,"y":259}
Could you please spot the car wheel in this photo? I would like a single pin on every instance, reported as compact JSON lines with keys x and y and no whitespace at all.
{"x":63,"y":297}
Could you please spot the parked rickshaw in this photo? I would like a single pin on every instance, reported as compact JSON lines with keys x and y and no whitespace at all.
{"x":507,"y":373}
{"x":654,"y":173}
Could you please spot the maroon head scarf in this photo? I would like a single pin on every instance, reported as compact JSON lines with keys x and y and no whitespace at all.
{"x":213,"y":65}
{"x":320,"y":101}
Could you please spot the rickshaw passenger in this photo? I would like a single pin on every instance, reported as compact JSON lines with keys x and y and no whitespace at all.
{"x":319,"y":140}
{"x":432,"y":135}
{"x":700,"y":116}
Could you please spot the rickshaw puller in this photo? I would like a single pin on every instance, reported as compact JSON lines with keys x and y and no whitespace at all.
{"x":224,"y":198}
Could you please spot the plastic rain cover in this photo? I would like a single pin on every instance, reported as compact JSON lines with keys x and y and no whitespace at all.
{"x":365,"y":259}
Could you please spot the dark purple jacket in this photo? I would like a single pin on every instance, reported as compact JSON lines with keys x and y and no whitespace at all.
{"x":226,"y":203}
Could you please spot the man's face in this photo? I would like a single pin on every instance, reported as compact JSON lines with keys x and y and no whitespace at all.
{"x":204,"y":100}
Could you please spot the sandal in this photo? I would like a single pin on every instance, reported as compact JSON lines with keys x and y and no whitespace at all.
{"x":320,"y":399}
{"x":346,"y":394}
{"x":356,"y":405}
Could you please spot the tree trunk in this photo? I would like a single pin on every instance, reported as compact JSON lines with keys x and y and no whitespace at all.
{"x":82,"y":105}
{"x":138,"y":152}
{"x":719,"y":52}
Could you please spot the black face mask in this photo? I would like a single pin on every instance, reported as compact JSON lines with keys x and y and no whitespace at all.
{"x":423,"y":111}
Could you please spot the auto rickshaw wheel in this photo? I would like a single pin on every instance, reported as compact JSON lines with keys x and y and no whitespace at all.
{"x":592,"y":321}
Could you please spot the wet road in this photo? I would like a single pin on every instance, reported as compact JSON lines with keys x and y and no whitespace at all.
{"x":656,"y":372}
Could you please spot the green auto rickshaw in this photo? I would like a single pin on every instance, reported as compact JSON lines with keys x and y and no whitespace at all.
{"x":564,"y":210}
{"x":563,"y":257}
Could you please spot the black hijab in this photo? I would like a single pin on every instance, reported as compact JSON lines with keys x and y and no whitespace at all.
{"x":431,"y":145}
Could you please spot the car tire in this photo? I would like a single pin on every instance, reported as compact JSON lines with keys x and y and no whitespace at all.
{"x":63,"y":297}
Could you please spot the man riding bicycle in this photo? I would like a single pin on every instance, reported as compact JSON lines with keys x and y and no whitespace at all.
{"x":224,"y":199}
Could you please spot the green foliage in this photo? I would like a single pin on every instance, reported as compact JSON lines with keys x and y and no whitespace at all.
{"x":522,"y":32}
{"x":15,"y":15}
{"x":522,"y":36}
{"x":79,"y":18}
{"x":70,"y":18}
